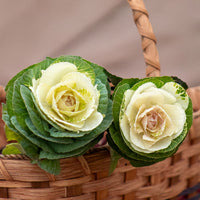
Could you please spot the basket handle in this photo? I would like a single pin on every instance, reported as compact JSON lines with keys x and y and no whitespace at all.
{"x":148,"y":38}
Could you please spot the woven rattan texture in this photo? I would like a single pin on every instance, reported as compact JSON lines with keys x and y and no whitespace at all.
{"x":87,"y":177}
{"x":148,"y":38}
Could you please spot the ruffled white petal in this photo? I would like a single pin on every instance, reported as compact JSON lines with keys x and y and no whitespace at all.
{"x":161,"y":144}
{"x":127,"y":97}
{"x":55,"y":72}
{"x":92,"y":122}
{"x":147,"y":145}
{"x":177,"y":116}
{"x":178,"y":92}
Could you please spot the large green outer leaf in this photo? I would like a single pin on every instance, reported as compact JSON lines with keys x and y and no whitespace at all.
{"x":6,"y":118}
{"x":76,"y":152}
{"x":10,"y":86}
{"x":103,"y":75}
{"x":189,"y":115}
{"x":51,"y":166}
{"x":130,"y":82}
{"x":103,"y":99}
{"x":30,"y":136}
{"x":100,"y":74}
{"x":51,"y":140}
{"x":117,"y":101}
{"x":30,"y":149}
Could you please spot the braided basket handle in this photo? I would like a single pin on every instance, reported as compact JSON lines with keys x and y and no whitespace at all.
{"x":148,"y":38}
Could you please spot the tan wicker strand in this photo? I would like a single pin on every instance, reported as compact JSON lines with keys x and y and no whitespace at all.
{"x":84,"y":165}
{"x":14,"y":156}
{"x":5,"y":172}
{"x":103,"y":184}
{"x":126,"y":188}
{"x":51,"y":177}
{"x":81,"y":197}
{"x":36,"y":193}
{"x":143,"y":24}
{"x":196,"y":114}
{"x":7,"y":199}
{"x":70,"y":182}
{"x":15,"y":184}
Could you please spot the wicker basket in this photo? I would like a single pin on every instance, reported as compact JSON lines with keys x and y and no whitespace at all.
{"x":86,"y":177}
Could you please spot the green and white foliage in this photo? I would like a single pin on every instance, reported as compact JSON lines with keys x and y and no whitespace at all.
{"x":152,"y":117}
{"x":56,"y":109}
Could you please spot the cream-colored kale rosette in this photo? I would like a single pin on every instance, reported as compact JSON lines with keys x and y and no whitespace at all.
{"x":151,"y":118}
{"x":56,"y":109}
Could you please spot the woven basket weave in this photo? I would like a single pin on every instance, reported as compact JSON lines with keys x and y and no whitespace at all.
{"x":86,"y":177}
